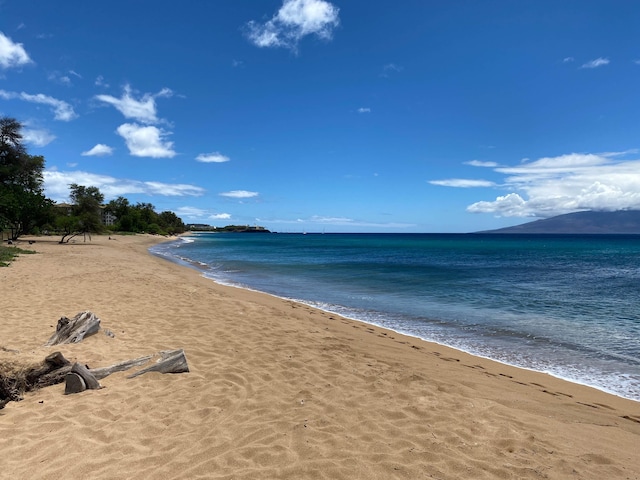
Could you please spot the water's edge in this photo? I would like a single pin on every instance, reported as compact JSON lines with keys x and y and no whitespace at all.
{"x":349,"y":313}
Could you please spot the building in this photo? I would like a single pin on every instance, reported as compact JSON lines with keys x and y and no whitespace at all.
{"x":107,"y":217}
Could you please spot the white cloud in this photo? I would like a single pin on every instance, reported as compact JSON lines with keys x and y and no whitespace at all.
{"x":146,"y":141}
{"x":59,"y":78}
{"x":215,"y":157}
{"x":462,"y":183}
{"x":329,"y":220}
{"x":598,"y":62}
{"x":100,"y":150}
{"x":295,"y":20}
{"x":142,"y":140}
{"x":567,"y":183}
{"x":192,"y":212}
{"x":57,"y":183}
{"x":63,"y":78}
{"x":100,"y":82}
{"x":61,"y":110}
{"x":37,"y":137}
{"x":511,"y":205}
{"x":143,"y":109}
{"x":552,"y":165}
{"x":199,"y":213}
{"x":364,"y":110}
{"x":12,"y":54}
{"x":568,"y":59}
{"x":220,"y":216}
{"x":390,"y":68}
{"x":631,"y":151}
{"x":239,"y":194}
{"x":172,"y":189}
{"x":479,"y":163}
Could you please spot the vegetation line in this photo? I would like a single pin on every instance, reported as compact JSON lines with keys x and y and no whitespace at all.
{"x":24,"y":209}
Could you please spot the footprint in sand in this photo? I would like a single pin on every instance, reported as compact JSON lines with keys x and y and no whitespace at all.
{"x":632,"y":418}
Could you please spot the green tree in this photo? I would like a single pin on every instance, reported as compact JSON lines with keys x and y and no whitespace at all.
{"x":86,"y":213}
{"x":148,"y":215}
{"x":171,"y":223}
{"x":142,"y":217}
{"x":10,"y":132}
{"x":119,"y":207}
{"x":23,"y":205}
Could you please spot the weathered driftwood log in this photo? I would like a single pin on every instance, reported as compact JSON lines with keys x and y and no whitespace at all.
{"x":91,"y":381}
{"x":79,"y":379}
{"x":76,"y":329}
{"x":102,"y":372}
{"x":50,"y":372}
{"x":50,"y":364}
{"x":170,"y":361}
{"x":59,"y":367}
{"x":73,"y":383}
{"x":13,"y":384}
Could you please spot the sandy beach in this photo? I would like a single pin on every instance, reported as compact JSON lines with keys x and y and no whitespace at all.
{"x":276,"y":389}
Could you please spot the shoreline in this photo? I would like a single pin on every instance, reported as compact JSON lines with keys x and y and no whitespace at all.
{"x":277,"y":389}
{"x":204,"y":268}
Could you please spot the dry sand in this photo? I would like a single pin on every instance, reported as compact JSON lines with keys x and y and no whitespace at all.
{"x":277,"y":390}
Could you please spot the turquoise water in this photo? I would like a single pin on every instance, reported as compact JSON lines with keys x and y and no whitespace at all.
{"x":565,"y":305}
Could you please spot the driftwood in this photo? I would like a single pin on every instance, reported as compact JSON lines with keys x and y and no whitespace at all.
{"x":74,"y":383}
{"x":100,"y":373}
{"x":170,"y":361}
{"x":74,"y":330}
{"x":51,"y":363}
{"x":78,"y":377}
{"x":13,"y":384}
{"x":15,"y":379}
{"x":81,"y":378}
{"x":90,"y":381}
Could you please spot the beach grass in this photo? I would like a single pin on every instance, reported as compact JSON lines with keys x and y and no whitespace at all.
{"x":13,"y":381}
{"x":7,"y":254}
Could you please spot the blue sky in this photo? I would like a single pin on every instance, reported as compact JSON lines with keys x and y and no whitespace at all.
{"x":340,"y":116}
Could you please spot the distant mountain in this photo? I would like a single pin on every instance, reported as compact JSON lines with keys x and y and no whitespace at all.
{"x":620,"y":222}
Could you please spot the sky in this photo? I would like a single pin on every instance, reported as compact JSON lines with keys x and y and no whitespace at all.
{"x":332,"y":116}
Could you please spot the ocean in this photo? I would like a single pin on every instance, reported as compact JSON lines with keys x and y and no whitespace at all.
{"x":567,"y":305}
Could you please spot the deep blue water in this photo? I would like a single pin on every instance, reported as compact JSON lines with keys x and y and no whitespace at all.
{"x":565,"y":305}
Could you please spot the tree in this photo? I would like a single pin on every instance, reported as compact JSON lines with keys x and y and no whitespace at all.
{"x":148,"y":214}
{"x":119,"y":207}
{"x":171,"y":222}
{"x":142,"y":217}
{"x":10,"y":135}
{"x":23,"y":205}
{"x":85,"y":216}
